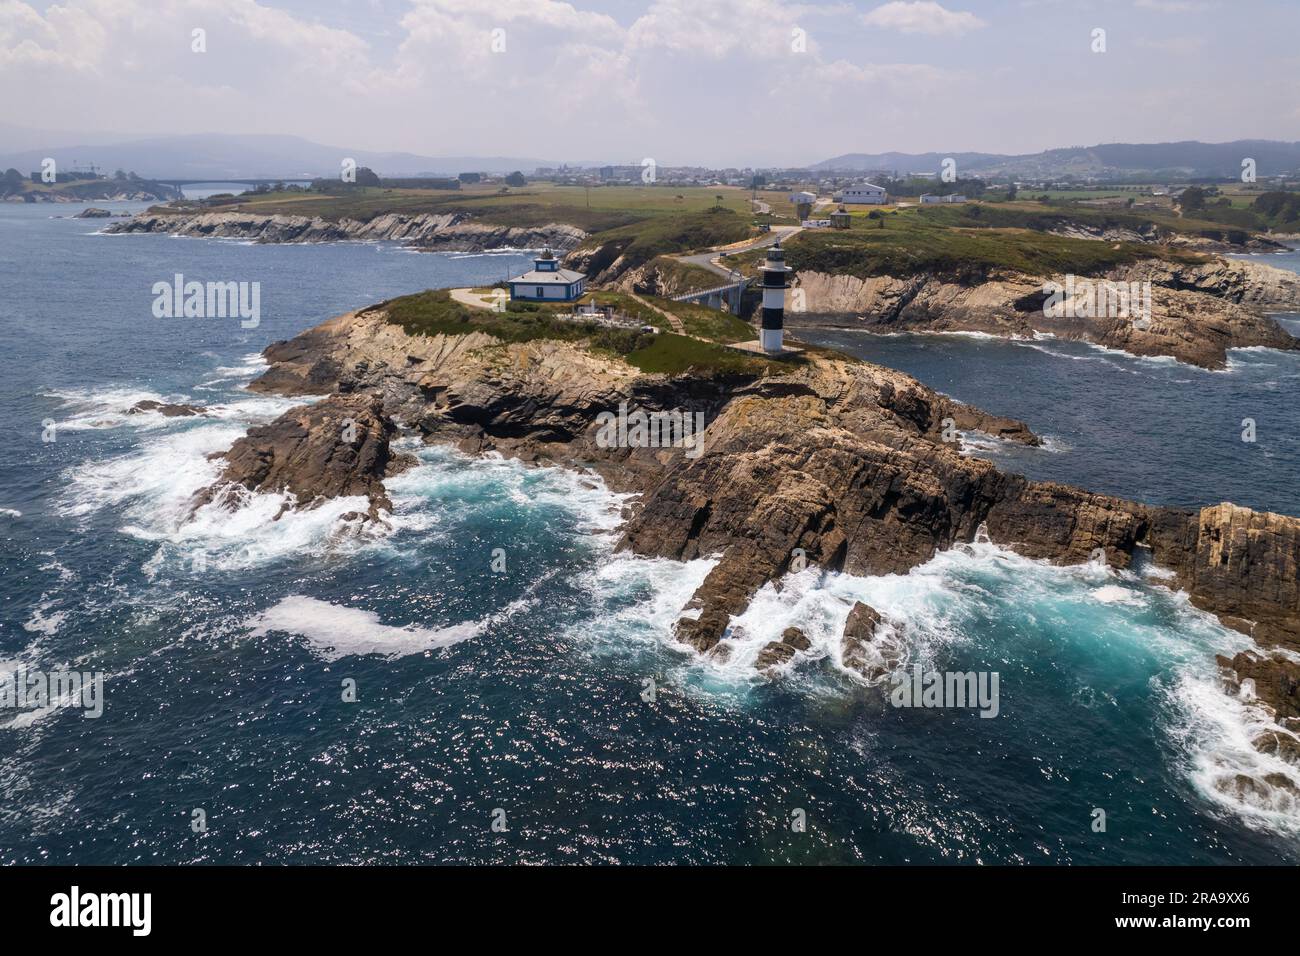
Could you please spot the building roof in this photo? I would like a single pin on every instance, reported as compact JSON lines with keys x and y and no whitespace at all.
{"x":559,"y":276}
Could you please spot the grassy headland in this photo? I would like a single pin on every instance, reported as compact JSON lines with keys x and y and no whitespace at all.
{"x":434,"y":312}
{"x":962,"y":243}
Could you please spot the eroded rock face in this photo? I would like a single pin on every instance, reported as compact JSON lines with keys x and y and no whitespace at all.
{"x":1198,"y":311}
{"x":1277,"y":684}
{"x":450,"y":232}
{"x":166,"y":409}
{"x":859,"y":632}
{"x":338,"y":447}
{"x":839,"y":463}
{"x":776,"y":653}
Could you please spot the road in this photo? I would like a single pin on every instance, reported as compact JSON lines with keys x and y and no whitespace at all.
{"x":709,"y":260}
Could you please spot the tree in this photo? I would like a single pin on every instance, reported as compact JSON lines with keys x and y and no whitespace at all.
{"x":1011,"y":191}
{"x":516,"y":179}
{"x":1193,"y":198}
{"x":367,"y":176}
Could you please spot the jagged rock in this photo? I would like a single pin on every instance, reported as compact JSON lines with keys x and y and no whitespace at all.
{"x":166,"y":409}
{"x":1248,"y":788}
{"x":840,"y":462}
{"x":773,"y":654}
{"x":1280,"y":744}
{"x":334,"y":448}
{"x":1198,"y":309}
{"x":1282,"y":782}
{"x":859,"y":631}
{"x":447,"y":232}
{"x":93,"y":212}
{"x":1276,"y":679}
{"x":795,"y":638}
{"x":779,"y":652}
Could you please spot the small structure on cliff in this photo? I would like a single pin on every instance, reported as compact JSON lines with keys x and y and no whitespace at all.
{"x":771,"y":334}
{"x":547,"y":282}
{"x":775,"y":282}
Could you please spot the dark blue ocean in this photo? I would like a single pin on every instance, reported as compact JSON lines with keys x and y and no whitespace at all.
{"x":230,"y":641}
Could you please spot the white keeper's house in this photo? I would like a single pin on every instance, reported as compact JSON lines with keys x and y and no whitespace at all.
{"x":863,"y":194}
{"x":547,"y":282}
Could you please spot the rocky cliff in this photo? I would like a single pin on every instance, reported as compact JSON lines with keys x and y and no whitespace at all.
{"x":1198,"y":311}
{"x":448,"y":232}
{"x":852,"y":464}
{"x":832,"y":461}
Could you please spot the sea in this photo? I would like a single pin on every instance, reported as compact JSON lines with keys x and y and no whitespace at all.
{"x":490,"y":681}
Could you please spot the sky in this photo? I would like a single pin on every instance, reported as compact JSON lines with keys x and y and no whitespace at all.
{"x":708,"y":82}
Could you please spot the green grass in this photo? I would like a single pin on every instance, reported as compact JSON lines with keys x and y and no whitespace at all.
{"x":683,"y":276}
{"x":943,"y":241}
{"x":594,"y":209}
{"x":712,"y":324}
{"x":434,"y":312}
{"x":661,"y":235}
{"x":672,"y":354}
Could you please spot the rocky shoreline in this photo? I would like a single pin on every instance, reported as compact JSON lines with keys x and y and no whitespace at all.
{"x":447,"y":232}
{"x":834,"y":462}
{"x":1198,"y":312}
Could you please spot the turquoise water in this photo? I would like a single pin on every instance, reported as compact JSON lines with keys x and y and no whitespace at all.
{"x":524,"y":691}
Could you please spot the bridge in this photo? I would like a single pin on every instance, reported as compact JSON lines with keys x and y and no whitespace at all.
{"x":729,"y":294}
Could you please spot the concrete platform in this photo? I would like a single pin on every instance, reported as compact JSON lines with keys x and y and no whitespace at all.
{"x":754,"y":348}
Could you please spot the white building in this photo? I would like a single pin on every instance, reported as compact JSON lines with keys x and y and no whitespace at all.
{"x":864,"y":194}
{"x":802,"y":198}
{"x":548,"y":282}
{"x":928,"y":198}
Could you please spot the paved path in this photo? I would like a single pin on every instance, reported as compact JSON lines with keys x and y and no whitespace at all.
{"x":709,"y":260}
{"x":471,"y":299}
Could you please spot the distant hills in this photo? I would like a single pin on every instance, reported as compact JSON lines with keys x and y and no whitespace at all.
{"x":219,"y":156}
{"x":1186,"y":160}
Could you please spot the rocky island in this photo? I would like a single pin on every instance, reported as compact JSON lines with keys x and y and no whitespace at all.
{"x":824,"y":458}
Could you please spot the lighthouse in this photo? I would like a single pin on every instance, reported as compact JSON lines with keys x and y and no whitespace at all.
{"x":775,"y":282}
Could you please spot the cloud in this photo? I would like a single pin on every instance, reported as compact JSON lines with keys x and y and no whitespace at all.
{"x":922,"y":16}
{"x":1176,"y":6}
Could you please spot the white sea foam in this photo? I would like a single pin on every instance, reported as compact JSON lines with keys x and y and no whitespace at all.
{"x":944,"y":605}
{"x":44,"y":619}
{"x":1214,"y":731}
{"x":335,"y":630}
{"x":109,"y":408}
{"x":1117,"y":594}
{"x":156,"y":482}
{"x":11,"y":512}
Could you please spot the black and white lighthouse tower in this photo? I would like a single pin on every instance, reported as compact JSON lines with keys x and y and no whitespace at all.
{"x":776,"y":279}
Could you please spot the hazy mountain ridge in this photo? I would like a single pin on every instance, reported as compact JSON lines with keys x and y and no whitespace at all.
{"x":220,"y":156}
{"x":1189,"y":158}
